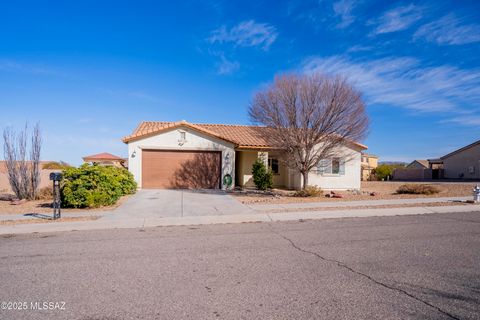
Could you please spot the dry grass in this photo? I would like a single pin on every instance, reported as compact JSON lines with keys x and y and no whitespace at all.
{"x":39,"y":220}
{"x":310,"y":191}
{"x":382,"y":189}
{"x":417,"y":189}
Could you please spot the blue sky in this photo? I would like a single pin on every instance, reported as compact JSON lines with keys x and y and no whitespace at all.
{"x":89,"y":71}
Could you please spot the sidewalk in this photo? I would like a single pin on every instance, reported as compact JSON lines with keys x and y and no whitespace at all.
{"x":219,"y":219}
{"x":360,"y":203}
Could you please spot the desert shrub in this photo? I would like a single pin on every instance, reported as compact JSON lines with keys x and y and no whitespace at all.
{"x":383,"y":171}
{"x":262,"y":177}
{"x":45,"y":193}
{"x":417,"y":189}
{"x":53,"y":165}
{"x":309,"y":191}
{"x":95,"y":186}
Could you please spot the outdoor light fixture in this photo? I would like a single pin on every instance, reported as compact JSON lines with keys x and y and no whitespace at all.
{"x":134,"y":153}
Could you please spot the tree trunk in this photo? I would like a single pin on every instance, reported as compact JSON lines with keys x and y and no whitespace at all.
{"x":305,"y":180}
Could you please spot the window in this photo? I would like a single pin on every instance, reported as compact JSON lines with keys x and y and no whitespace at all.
{"x":183,"y":137}
{"x":334,"y":166}
{"x":273,"y":165}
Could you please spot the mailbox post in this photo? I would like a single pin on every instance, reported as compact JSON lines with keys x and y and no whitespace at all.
{"x":56,"y":177}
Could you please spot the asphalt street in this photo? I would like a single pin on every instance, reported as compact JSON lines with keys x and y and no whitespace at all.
{"x":405,"y":267}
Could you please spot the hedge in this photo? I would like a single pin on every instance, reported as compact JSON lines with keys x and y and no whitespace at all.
{"x":91,"y":186}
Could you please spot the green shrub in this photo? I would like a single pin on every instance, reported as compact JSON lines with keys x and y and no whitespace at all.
{"x":309,"y":191}
{"x":262,"y":177}
{"x":417,"y":189}
{"x":383,"y":171}
{"x":95,"y":186}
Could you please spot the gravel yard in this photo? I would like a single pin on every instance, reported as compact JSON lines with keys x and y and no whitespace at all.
{"x":382,"y":189}
{"x":43,"y":206}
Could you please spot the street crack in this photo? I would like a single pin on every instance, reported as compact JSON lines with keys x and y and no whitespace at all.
{"x":364,"y":275}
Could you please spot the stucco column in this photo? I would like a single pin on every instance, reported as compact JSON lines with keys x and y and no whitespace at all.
{"x":263,"y":155}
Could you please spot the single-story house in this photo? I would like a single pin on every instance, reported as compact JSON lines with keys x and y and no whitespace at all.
{"x":418,"y":164}
{"x":106,"y":159}
{"x":219,"y":156}
{"x":369,"y":163}
{"x":463,"y":163}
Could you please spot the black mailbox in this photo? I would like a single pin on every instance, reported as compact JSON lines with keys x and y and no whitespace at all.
{"x":56,"y":176}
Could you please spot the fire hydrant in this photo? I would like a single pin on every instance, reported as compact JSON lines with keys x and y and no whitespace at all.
{"x":476,"y":194}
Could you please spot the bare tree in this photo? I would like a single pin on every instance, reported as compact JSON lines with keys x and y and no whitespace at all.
{"x":23,"y":173}
{"x":311,"y":117}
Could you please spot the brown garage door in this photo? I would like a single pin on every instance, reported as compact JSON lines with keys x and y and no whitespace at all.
{"x":181,"y":169}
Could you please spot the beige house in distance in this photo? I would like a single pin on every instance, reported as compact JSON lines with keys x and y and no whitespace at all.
{"x":463,"y":163}
{"x":170,"y":155}
{"x":369,"y":162}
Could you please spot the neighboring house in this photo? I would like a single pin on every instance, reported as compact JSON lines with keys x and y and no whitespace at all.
{"x":106,"y":159}
{"x":369,"y":163}
{"x":418,"y":164}
{"x":186,"y":155}
{"x":463,"y":163}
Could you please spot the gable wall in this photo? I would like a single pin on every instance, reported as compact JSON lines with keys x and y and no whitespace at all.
{"x":169,"y":140}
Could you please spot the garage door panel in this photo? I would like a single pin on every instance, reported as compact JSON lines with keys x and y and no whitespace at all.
{"x":181,"y":169}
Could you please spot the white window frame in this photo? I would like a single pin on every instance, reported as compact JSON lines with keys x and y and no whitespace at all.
{"x":325,"y":167}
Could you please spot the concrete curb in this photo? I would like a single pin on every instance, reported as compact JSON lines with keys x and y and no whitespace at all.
{"x":223,"y":219}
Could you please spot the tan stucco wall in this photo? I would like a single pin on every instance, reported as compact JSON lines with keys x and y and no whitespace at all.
{"x":245,"y":160}
{"x":44,"y":180}
{"x":412,"y":174}
{"x":460,"y":162}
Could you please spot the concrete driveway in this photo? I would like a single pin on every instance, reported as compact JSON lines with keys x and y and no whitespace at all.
{"x":180,"y":203}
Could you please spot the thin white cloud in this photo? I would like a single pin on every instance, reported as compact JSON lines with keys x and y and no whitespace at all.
{"x":397,"y":19}
{"x":403,"y":82}
{"x":246,"y":34}
{"x":360,"y":48}
{"x":343,"y":9}
{"x":13,"y":66}
{"x":226,"y":67}
{"x":470,"y":120}
{"x":449,"y":30}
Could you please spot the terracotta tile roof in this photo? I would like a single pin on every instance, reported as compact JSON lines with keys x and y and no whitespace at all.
{"x":243,"y":136}
{"x":103,"y":156}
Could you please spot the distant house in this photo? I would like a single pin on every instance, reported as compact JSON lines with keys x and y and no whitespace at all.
{"x":463,"y":163}
{"x":368,"y":164}
{"x":418,"y":164}
{"x":106,"y":159}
